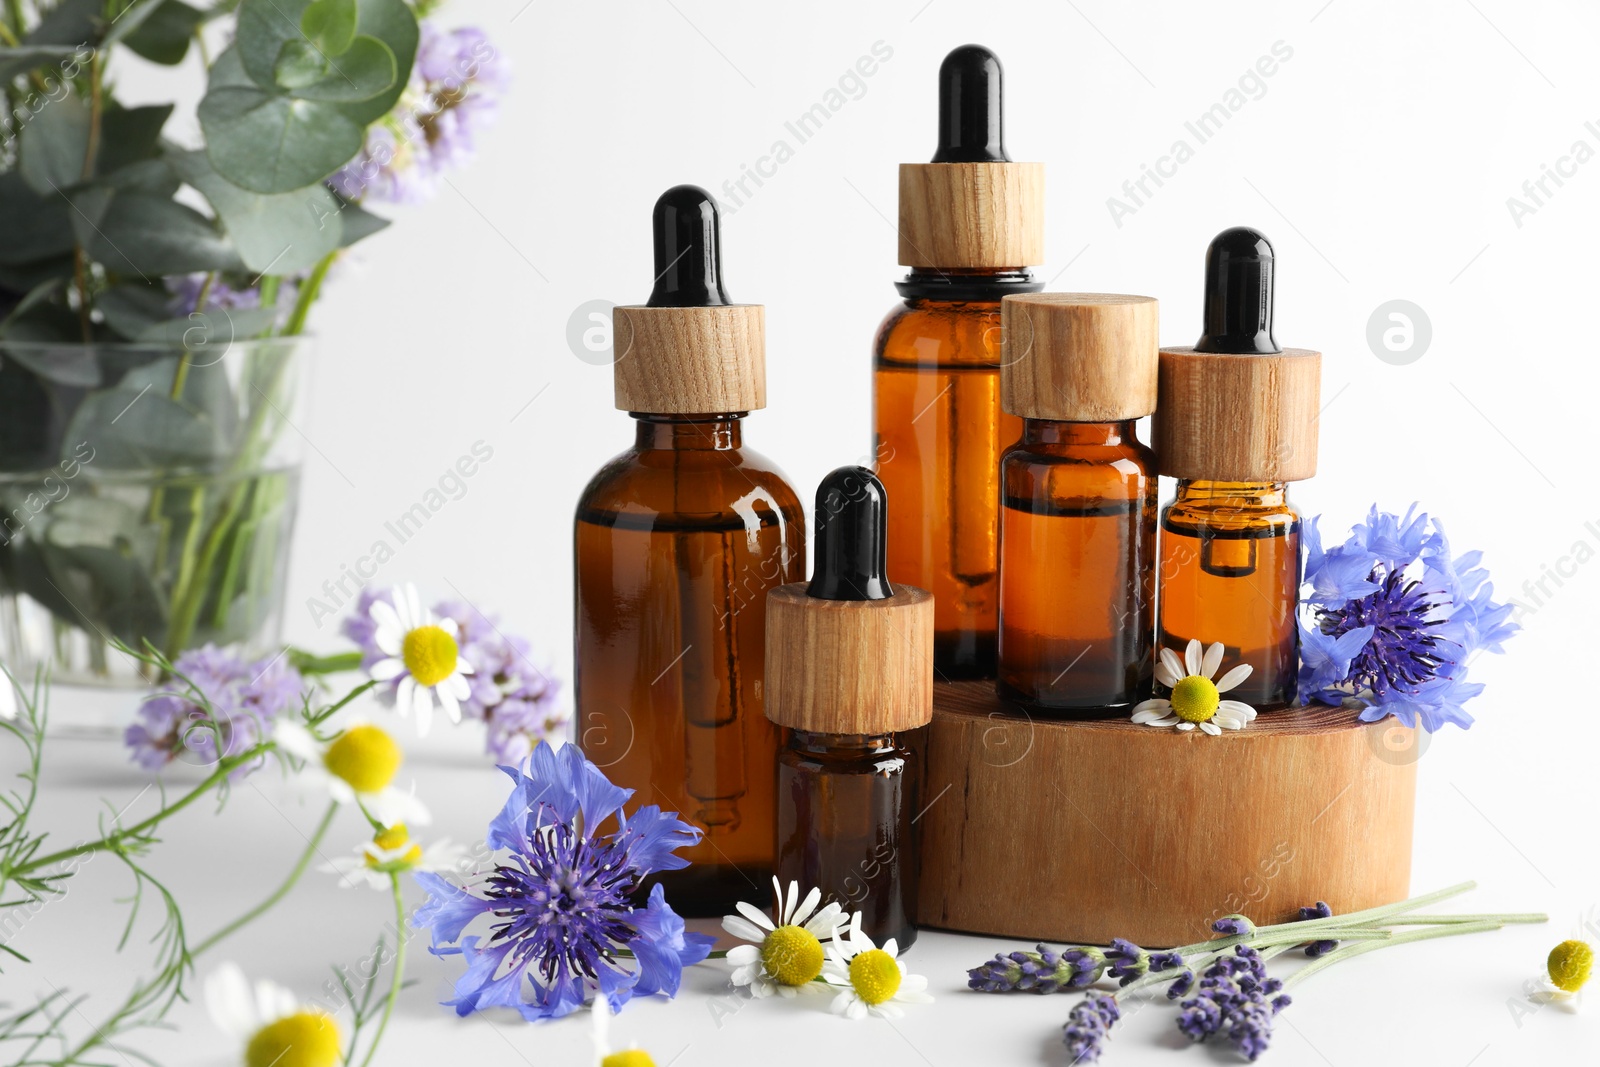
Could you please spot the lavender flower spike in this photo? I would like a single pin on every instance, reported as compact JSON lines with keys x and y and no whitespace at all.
{"x":1321,"y":911}
{"x":1234,"y":926}
{"x":1043,"y":971}
{"x":1088,"y":1025}
{"x":1233,"y":1000}
{"x":1128,"y":961}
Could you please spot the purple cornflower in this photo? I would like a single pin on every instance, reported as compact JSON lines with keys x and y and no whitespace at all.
{"x":1088,"y":1026}
{"x":1233,"y":1000}
{"x":1320,"y":911}
{"x":1128,"y":961}
{"x":517,"y":697}
{"x":559,"y":902}
{"x":246,"y":697}
{"x":1234,"y":926}
{"x":1391,"y":619}
{"x":1043,"y":971}
{"x":453,"y":94}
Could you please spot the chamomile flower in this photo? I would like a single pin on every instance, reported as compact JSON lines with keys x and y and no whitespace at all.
{"x":274,"y":1026}
{"x":1196,"y":700}
{"x":871,"y":980}
{"x":787,"y":954}
{"x":391,"y":851}
{"x":603,"y":1056}
{"x":422,"y":656}
{"x":1566,"y":972}
{"x":358,"y":766}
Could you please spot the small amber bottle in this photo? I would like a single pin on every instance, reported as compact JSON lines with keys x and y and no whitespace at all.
{"x":1078,"y":514}
{"x":850,"y":671}
{"x":971,"y":224}
{"x":677,"y":541}
{"x":1236,"y":422}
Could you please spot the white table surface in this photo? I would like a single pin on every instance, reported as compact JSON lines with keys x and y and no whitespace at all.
{"x":1453,"y":1002}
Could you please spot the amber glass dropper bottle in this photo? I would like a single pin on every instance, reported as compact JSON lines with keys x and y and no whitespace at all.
{"x":1078,"y":515}
{"x":971,"y":224}
{"x":678,"y":540}
{"x":1236,"y":422}
{"x":850,"y":672}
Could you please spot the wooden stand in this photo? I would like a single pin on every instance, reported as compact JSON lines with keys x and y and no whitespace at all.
{"x":1075,"y":831}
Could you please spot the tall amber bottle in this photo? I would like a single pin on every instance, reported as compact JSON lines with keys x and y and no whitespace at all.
{"x":677,"y":541}
{"x":850,"y":672}
{"x":971,"y":224}
{"x":1236,"y":422}
{"x":1078,"y":514}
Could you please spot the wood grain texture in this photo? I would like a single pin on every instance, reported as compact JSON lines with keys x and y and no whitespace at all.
{"x":970,"y":215}
{"x":690,"y":361}
{"x":1244,"y":418}
{"x":1078,"y":357}
{"x":1085,"y":831}
{"x":849,"y":666}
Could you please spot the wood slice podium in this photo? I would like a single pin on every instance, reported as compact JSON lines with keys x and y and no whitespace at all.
{"x":1081,"y":831}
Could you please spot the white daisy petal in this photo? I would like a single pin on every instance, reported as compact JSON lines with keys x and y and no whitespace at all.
{"x":1239,"y":708}
{"x":1166,"y":676}
{"x":1211,"y":660}
{"x":457,"y":685}
{"x":740,"y":928}
{"x":1145,"y":715}
{"x":755,"y":915}
{"x":1210,"y":728}
{"x":1233,"y":677}
{"x":1173,"y":663}
{"x":807,"y":906}
{"x":448,"y":625}
{"x":448,"y":701}
{"x":405,"y":697}
{"x":742,"y":955}
{"x":794,"y":899}
{"x":1185,"y":725}
{"x":231,"y":1003}
{"x":295,"y":739}
{"x":1192,"y":656}
{"x":387,"y":669}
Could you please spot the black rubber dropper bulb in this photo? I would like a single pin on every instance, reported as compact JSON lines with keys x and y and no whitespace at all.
{"x":688,"y":246}
{"x":969,"y":108}
{"x":1238,"y":294}
{"x":852,"y":524}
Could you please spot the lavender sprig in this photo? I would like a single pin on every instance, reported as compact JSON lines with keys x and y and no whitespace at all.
{"x":1237,"y":999}
{"x":1043,"y":971}
{"x":1088,"y":1025}
{"x":1320,"y":911}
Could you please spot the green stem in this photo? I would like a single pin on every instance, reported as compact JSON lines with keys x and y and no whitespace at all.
{"x":1441,"y":920}
{"x":309,"y":663}
{"x":308,"y":294}
{"x":279,"y":893}
{"x":399,"y":968}
{"x":1341,"y":954}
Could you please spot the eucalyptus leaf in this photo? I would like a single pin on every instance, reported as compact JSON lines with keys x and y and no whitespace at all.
{"x":330,"y":25}
{"x":35,"y":227}
{"x":73,"y":366}
{"x":266,"y":25}
{"x":357,"y":222}
{"x":164,"y":36}
{"x":44,"y":324}
{"x":273,"y":144}
{"x":130,"y":135}
{"x":21,"y":60}
{"x":151,"y":176}
{"x":52,"y":147}
{"x":211,"y":330}
{"x":298,"y":64}
{"x":282,"y":233}
{"x":151,"y":235}
{"x":136,"y":429}
{"x":130,"y":309}
{"x":71,"y":23}
{"x":205,"y":382}
{"x":366,"y":69}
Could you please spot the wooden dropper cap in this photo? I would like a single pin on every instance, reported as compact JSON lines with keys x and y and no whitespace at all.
{"x":1236,"y":407}
{"x":972,"y":207}
{"x":689,"y":350}
{"x":1078,"y":357}
{"x":849,"y":653}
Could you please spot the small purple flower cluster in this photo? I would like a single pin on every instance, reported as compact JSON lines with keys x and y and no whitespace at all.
{"x":1043,"y":971}
{"x":1233,"y":1000}
{"x":1128,"y":961}
{"x":1088,"y":1026}
{"x":516,"y":698}
{"x":246,"y":698}
{"x":454,"y":93}
{"x":1320,"y":911}
{"x":1234,"y":926}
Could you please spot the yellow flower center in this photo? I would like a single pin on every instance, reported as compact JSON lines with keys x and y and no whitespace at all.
{"x":429,"y":654}
{"x":630,"y":1057}
{"x":1195,"y":699}
{"x":874,"y":975}
{"x":305,"y":1039}
{"x":1570,"y":963}
{"x":364,"y":756}
{"x":792,"y":955}
{"x":389,"y":840}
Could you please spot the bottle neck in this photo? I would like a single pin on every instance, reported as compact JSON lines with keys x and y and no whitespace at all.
{"x":1066,"y":434}
{"x":934,"y":285}
{"x":1200,"y":492}
{"x":681,"y":433}
{"x":840,"y":745}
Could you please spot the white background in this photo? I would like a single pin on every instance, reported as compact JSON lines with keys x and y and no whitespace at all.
{"x":1379,"y":160}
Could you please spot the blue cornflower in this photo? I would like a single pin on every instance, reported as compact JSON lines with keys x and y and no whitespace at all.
{"x":1391,"y":619}
{"x":1088,"y":1025}
{"x":561,"y":900}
